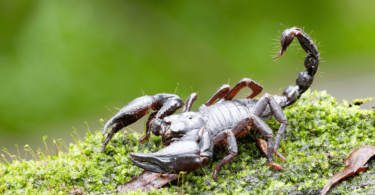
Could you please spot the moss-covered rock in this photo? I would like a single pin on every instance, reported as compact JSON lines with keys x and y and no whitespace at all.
{"x":320,"y":134}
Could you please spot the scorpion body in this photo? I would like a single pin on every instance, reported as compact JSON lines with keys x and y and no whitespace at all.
{"x":226,"y":115}
{"x":191,"y":135}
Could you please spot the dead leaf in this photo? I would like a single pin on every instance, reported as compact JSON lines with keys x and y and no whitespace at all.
{"x":77,"y":191}
{"x":147,"y":180}
{"x":263,"y":146}
{"x":355,"y":163}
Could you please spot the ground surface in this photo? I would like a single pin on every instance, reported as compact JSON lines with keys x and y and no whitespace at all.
{"x":320,"y":134}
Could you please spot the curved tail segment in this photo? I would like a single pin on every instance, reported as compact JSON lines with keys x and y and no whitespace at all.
{"x":304,"y":79}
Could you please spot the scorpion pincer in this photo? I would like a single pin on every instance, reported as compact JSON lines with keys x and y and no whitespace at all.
{"x":191,"y":135}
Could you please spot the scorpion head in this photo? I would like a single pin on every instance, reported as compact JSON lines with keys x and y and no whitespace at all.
{"x":180,"y":124}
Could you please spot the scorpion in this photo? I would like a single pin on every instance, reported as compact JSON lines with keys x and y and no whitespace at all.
{"x":190,"y":136}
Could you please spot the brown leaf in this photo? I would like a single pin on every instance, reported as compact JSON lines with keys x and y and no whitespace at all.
{"x":147,"y":180}
{"x":263,"y":146}
{"x":76,"y":191}
{"x":355,"y":163}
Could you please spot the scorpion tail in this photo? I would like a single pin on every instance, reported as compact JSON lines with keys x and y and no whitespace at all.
{"x":304,"y":79}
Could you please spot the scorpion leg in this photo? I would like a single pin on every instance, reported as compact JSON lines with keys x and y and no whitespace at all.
{"x":189,"y":102}
{"x":265,"y":130}
{"x":277,"y":112}
{"x":186,"y":155}
{"x":149,"y":123}
{"x":233,"y":150}
{"x":218,"y":95}
{"x":164,"y":104}
{"x":255,"y":87}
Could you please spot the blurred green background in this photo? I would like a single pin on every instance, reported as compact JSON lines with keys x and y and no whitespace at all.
{"x":66,"y":62}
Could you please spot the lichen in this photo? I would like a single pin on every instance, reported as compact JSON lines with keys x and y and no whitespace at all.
{"x":319,"y":135}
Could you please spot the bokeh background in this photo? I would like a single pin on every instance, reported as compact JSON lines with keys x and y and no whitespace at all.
{"x":66,"y":62}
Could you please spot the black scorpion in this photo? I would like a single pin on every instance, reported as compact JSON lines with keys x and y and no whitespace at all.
{"x":191,"y":135}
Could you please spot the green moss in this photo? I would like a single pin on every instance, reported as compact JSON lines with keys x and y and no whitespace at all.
{"x":320,"y":134}
{"x":361,"y":101}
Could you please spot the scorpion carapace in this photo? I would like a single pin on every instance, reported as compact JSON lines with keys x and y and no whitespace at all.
{"x":191,"y":135}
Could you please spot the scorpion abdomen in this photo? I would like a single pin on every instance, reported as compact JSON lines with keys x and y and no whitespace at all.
{"x":225,"y":115}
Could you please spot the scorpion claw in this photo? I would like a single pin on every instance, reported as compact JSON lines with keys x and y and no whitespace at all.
{"x":146,"y":166}
{"x":165,"y":163}
{"x":164,"y":104}
{"x":106,"y":126}
{"x":171,"y":159}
